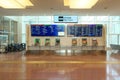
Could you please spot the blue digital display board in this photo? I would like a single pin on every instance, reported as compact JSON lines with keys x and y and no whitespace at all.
{"x":92,"y":30}
{"x":70,"y":30}
{"x":47,"y":30}
{"x":98,"y":30}
{"x":85,"y":31}
{"x":88,"y":30}
{"x":78,"y":30}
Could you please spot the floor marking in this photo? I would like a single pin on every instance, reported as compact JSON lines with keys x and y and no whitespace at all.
{"x":59,"y":62}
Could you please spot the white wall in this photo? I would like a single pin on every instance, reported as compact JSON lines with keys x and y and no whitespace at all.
{"x":65,"y":41}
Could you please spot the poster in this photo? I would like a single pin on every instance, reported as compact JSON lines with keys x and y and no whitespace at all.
{"x":57,"y":42}
{"x":84,"y":41}
{"x":37,"y":42}
{"x":74,"y":42}
{"x":47,"y":42}
{"x":94,"y":42}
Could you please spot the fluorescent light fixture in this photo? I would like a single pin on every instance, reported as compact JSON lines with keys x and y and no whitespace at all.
{"x":66,"y":2}
{"x":25,"y":2}
{"x":80,"y":4}
{"x":13,"y":4}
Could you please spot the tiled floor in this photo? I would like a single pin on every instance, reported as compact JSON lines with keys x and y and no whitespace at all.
{"x":60,"y":65}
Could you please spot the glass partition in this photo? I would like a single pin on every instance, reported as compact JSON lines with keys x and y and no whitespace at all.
{"x":8,"y":31}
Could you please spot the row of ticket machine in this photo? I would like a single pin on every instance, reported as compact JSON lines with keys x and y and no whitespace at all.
{"x":74,"y":42}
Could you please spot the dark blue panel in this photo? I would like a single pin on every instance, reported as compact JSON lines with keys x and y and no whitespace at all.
{"x":99,"y":30}
{"x":35,"y":30}
{"x":71,"y":30}
{"x":49,"y":30}
{"x":46,"y":30}
{"x":78,"y":30}
{"x":60,"y":28}
{"x":92,"y":30}
{"x":85,"y":30}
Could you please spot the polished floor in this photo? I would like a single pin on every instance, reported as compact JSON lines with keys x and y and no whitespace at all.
{"x":60,"y":65}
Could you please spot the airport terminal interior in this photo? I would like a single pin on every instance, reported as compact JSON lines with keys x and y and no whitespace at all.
{"x":59,"y":40}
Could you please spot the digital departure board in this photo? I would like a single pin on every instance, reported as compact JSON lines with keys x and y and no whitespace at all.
{"x":47,"y":30}
{"x":98,"y":30}
{"x":78,"y":30}
{"x":85,"y":30}
{"x":70,"y":30}
{"x":92,"y":30}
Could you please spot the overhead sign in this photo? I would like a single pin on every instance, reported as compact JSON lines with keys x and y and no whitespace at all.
{"x":66,"y":19}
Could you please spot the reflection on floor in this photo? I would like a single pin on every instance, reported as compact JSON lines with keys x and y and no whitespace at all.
{"x":60,"y":65}
{"x":113,"y":70}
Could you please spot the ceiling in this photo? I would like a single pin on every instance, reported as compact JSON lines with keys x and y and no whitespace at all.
{"x":56,"y":7}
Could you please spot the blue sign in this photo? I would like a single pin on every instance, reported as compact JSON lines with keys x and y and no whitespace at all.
{"x":65,"y":19}
{"x":47,"y":30}
{"x":98,"y":30}
{"x":92,"y":30}
{"x":89,"y":30}
{"x":70,"y":30}
{"x":78,"y":31}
